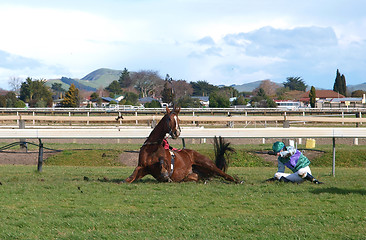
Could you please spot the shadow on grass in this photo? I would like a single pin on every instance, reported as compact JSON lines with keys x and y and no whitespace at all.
{"x":335,"y":190}
{"x":119,"y":181}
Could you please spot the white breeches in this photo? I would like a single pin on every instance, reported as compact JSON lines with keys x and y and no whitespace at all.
{"x":297,"y":177}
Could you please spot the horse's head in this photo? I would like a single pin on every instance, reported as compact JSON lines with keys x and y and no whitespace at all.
{"x":173,"y":122}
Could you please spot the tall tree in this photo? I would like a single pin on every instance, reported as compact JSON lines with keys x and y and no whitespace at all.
{"x":340,"y":84}
{"x":94,"y":96}
{"x":71,"y":98}
{"x":125,"y":80}
{"x":262,"y":100}
{"x":10,"y":100}
{"x":167,"y":95}
{"x":218,"y":100}
{"x":57,"y":89}
{"x":114,"y":87}
{"x":312,"y":96}
{"x":358,"y":93}
{"x":35,"y":93}
{"x":181,"y":88}
{"x":188,"y":102}
{"x":295,"y":83}
{"x":147,"y":82}
{"x":240,"y":101}
{"x":337,"y":82}
{"x":269,"y":87}
{"x":344,"y":86}
{"x":153,"y":104}
{"x":130,"y":99}
{"x":203,"y":88}
{"x":15,"y":83}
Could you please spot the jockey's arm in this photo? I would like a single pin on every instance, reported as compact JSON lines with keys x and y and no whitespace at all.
{"x":281,"y":167}
{"x":289,"y":152}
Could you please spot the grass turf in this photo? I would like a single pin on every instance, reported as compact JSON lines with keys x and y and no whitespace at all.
{"x":84,"y":201}
{"x":87,"y":203}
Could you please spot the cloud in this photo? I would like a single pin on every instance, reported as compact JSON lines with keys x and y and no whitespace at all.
{"x":13,"y":65}
{"x":268,"y":53}
{"x":313,"y":53}
{"x":13,"y":61}
{"x":268,"y":41}
{"x":206,"y":41}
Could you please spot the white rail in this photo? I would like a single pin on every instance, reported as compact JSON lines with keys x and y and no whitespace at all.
{"x":185,"y":119}
{"x":130,"y":133}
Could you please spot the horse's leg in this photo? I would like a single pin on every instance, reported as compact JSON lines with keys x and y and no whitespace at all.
{"x":210,"y":166}
{"x":165,"y":168}
{"x":138,"y":173}
{"x":191,"y":177}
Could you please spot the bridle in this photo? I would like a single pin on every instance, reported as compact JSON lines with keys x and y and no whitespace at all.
{"x":170,"y":130}
{"x":176,"y":123}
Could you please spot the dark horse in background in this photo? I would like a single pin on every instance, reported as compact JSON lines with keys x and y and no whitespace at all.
{"x":189,"y":165}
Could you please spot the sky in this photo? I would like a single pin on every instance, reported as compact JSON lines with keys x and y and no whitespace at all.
{"x":223,"y":42}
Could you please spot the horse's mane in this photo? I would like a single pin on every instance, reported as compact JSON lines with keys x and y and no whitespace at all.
{"x":155,"y":134}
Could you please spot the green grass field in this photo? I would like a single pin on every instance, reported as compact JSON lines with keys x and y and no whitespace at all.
{"x":86,"y":202}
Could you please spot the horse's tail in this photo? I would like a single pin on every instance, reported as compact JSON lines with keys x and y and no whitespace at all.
{"x":221,"y":153}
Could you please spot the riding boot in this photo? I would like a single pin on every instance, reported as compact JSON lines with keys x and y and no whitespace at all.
{"x":284,"y":179}
{"x":272,"y":179}
{"x":312,"y":179}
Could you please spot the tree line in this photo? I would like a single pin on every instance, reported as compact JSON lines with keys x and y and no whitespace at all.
{"x":148,"y":83}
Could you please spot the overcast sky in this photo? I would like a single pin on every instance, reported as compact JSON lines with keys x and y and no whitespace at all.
{"x":222,"y":42}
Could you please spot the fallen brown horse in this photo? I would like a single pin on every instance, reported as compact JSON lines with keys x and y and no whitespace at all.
{"x":189,"y":165}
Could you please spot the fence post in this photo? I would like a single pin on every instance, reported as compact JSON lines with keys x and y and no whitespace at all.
{"x":342,"y":117}
{"x":361,"y":117}
{"x":183,"y":143}
{"x":286,"y":124}
{"x":334,"y":156}
{"x":22,"y":141}
{"x":40,"y":156}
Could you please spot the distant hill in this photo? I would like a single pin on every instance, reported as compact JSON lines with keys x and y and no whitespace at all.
{"x":99,"y":78}
{"x":78,"y":84}
{"x":66,"y":82}
{"x":352,"y":88}
{"x":249,"y":87}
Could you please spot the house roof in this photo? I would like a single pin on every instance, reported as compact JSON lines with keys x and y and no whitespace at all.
{"x":322,"y":94}
{"x":202,"y":98}
{"x":334,"y":100}
{"x":109,"y":99}
{"x":146,"y":100}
